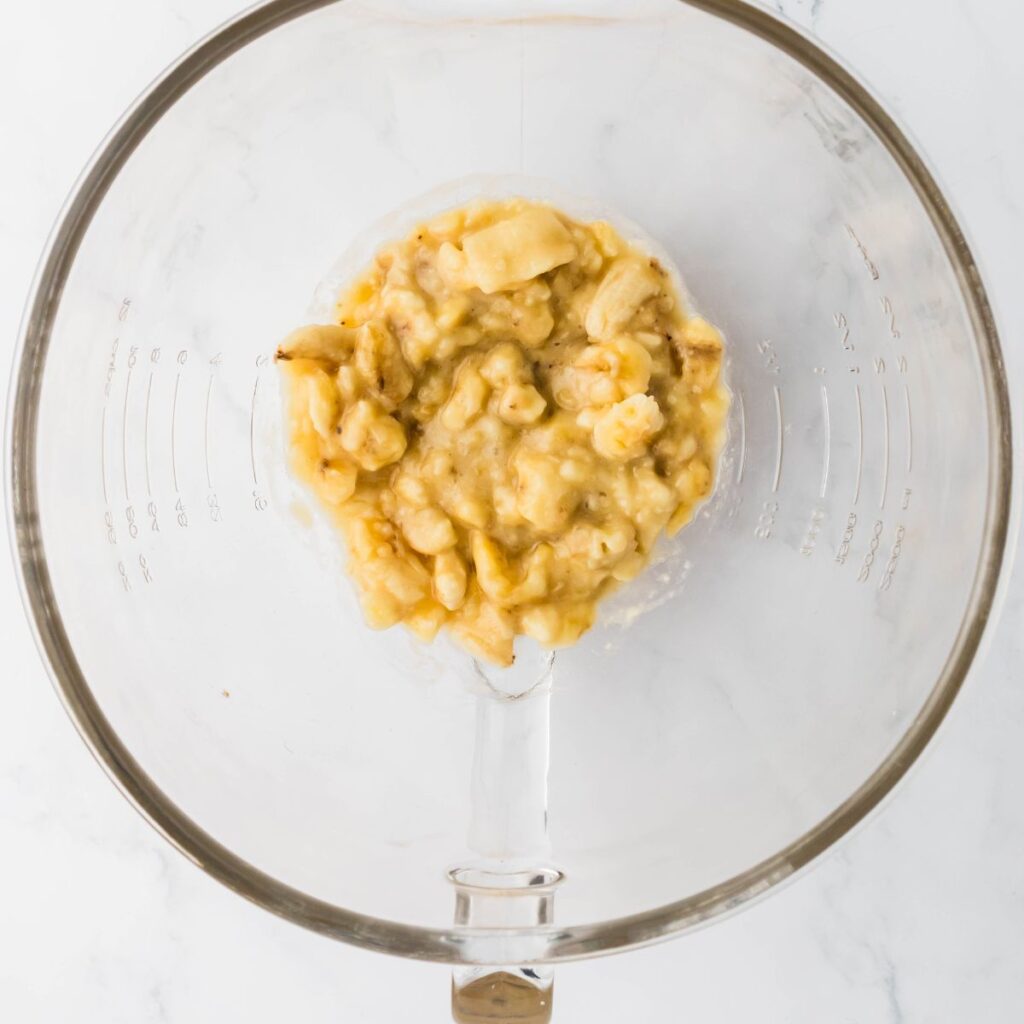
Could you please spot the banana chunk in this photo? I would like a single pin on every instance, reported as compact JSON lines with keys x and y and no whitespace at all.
{"x":371,"y":437}
{"x":623,"y":431}
{"x":380,"y":363}
{"x":623,"y":290}
{"x":700,"y":348}
{"x":517,"y":249}
{"x":607,"y":372}
{"x":329,"y":343}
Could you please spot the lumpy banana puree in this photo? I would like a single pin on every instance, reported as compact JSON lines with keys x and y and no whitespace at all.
{"x":509,"y":410}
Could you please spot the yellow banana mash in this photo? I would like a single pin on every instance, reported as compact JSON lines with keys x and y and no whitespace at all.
{"x":509,"y":410}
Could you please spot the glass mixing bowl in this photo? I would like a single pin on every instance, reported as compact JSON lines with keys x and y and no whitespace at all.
{"x":738,"y":709}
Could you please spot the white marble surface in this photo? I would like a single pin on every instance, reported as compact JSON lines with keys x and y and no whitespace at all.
{"x":918,"y":919}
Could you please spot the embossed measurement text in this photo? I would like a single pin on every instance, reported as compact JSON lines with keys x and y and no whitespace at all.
{"x":890,"y":315}
{"x":765,"y":522}
{"x":111,"y":367}
{"x":894,"y":556}
{"x":133,"y":526}
{"x":869,"y":558}
{"x":213,"y":506}
{"x":844,"y":545}
{"x":839,"y":319}
{"x":812,"y":531}
{"x":771,"y":359}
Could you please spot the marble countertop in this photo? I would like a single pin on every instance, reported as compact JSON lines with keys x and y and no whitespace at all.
{"x":918,"y":919}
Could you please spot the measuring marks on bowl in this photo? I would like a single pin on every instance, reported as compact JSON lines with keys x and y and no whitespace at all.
{"x":178,"y":445}
{"x":843,"y":438}
{"x":827,"y":450}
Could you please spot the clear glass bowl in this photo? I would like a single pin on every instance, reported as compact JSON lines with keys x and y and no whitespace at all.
{"x":738,"y":709}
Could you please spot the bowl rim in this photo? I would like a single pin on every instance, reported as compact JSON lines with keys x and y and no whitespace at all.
{"x":465,"y":945}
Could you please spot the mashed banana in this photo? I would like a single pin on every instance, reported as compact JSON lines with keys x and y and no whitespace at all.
{"x":509,"y":410}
